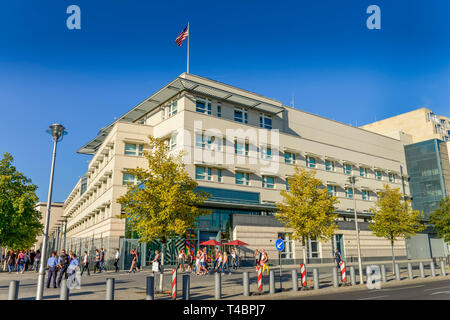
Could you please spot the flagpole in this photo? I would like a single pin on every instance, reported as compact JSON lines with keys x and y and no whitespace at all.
{"x":188,"y":48}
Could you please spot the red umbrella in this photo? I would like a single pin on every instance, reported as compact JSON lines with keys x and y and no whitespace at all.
{"x":210,"y":242}
{"x":236,"y":243}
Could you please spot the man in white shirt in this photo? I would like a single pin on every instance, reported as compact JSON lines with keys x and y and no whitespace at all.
{"x":85,"y":264}
{"x":116,"y":260}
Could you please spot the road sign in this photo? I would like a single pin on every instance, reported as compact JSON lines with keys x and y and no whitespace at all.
{"x":279,"y":245}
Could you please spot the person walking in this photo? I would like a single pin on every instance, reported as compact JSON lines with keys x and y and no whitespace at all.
{"x":52,"y":265}
{"x":257,"y":259}
{"x":102,"y":260}
{"x":180,"y":260}
{"x":37,"y":259}
{"x":218,"y":263}
{"x":225,"y":263}
{"x":116,"y":260}
{"x":97,"y":261}
{"x":74,"y":266}
{"x":264,"y":261}
{"x":11,"y":261}
{"x":134,"y":261}
{"x":337,"y":257}
{"x":157,"y":260}
{"x":216,"y":257}
{"x":63,"y":264}
{"x":32,"y":257}
{"x":85,"y":264}
{"x":20,"y":262}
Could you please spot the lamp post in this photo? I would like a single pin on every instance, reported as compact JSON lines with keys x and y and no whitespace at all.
{"x":352,"y":180}
{"x":57,"y":131}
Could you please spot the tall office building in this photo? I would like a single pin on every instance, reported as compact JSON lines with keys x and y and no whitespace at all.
{"x":241,"y":148}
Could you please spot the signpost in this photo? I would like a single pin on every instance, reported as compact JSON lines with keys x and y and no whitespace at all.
{"x":279,"y":244}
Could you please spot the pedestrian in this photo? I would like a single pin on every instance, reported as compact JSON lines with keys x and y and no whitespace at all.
{"x":63,"y":264}
{"x":74,"y":266}
{"x":37,"y":259}
{"x":85,"y":264}
{"x":190,"y":260}
{"x":52,"y":265}
{"x":32,"y":258}
{"x":26,"y":260}
{"x":11,"y":261}
{"x":233,"y":259}
{"x":20,"y":262}
{"x":180,"y":261}
{"x":257,"y":259}
{"x":264,"y":261}
{"x":102,"y":260}
{"x":216,"y":257}
{"x":225,"y":263}
{"x":337,"y":257}
{"x":157,"y":260}
{"x":134,"y":261}
{"x":218,"y":262}
{"x":116,"y":260}
{"x":97,"y":261}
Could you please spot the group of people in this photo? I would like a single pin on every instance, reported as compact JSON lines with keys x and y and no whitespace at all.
{"x":21,"y":260}
{"x":261,"y":260}
{"x":197,"y":263}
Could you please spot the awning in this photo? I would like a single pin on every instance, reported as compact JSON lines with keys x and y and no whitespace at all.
{"x":172,"y":89}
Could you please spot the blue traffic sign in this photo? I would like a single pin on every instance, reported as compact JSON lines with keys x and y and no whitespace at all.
{"x":279,"y":244}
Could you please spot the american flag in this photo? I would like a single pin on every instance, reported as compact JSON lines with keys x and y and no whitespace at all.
{"x":182,"y":36}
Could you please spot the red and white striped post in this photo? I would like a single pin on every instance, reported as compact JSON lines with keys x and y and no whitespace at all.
{"x":303,"y":274}
{"x":259,"y":278}
{"x":343,"y":274}
{"x":174,"y":284}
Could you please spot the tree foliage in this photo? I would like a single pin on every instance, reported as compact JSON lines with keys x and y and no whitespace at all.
{"x":307,"y":208}
{"x":19,"y":220}
{"x":393,"y":217}
{"x":165,"y":203}
{"x":440,"y":219}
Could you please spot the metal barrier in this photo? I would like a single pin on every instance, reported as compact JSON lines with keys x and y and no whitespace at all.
{"x":422,"y":271}
{"x":316,"y":279}
{"x":397,"y":272}
{"x":294,"y":280}
{"x":383,"y":273}
{"x":150,"y":290}
{"x":410,"y":271}
{"x":64,"y":293}
{"x":352,"y":276}
{"x":110,"y":284}
{"x":246,"y":284}
{"x":13,"y":293}
{"x":335,"y":277}
{"x":186,"y":287}
{"x":271,"y":282}
{"x":218,"y":285}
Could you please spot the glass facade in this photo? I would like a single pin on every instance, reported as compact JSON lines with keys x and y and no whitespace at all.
{"x":426,"y":182}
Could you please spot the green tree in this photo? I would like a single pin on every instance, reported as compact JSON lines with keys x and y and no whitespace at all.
{"x":164,"y":203}
{"x":19,"y":220}
{"x":440,"y":219}
{"x":307,"y":208}
{"x":394,"y":218}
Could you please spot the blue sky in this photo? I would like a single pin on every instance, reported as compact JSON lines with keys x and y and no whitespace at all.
{"x":320,"y":52}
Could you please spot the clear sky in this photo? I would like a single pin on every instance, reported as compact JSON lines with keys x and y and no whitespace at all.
{"x":319,"y":52}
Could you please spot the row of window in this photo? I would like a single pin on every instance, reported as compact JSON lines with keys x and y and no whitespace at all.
{"x":204,"y":105}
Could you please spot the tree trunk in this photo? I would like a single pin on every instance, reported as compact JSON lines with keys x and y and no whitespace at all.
{"x":393,"y":257}
{"x":304,"y":251}
{"x":161,"y":275}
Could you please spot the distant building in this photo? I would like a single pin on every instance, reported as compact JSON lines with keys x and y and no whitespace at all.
{"x":56,"y":217}
{"x":422,"y":124}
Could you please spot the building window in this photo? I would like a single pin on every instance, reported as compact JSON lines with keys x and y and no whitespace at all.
{"x":173,"y":108}
{"x":310,"y":162}
{"x":365,"y":194}
{"x":203,"y":173}
{"x":313,"y":248}
{"x":173,"y":142}
{"x":132,"y":149}
{"x":266,"y":152}
{"x":329,"y":165}
{"x":363,"y":172}
{"x":219,"y":110}
{"x":219,"y":175}
{"x":332,"y":190}
{"x":128,"y":178}
{"x":391,"y":177}
{"x":347,"y":169}
{"x":242,"y":178}
{"x":349,"y":193}
{"x":289,"y":157}
{"x":265,"y":121}
{"x":199,"y":140}
{"x":241,"y":148}
{"x":240,"y":115}
{"x":378,"y":175}
{"x":203,"y":105}
{"x":268,"y":182}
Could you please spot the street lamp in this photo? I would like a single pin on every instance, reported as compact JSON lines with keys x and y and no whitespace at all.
{"x":352,"y":180}
{"x":58,"y":132}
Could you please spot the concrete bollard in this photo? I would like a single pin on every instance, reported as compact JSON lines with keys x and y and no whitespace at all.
{"x":433,"y":269}
{"x":443,"y":273}
{"x":246,"y":284}
{"x":422,"y":271}
{"x":397,"y":272}
{"x":352,"y":276}
{"x":110,"y":283}
{"x":13,"y":293}
{"x":218,"y":285}
{"x":410,"y":271}
{"x":271,"y":282}
{"x":150,"y":290}
{"x":186,"y":287}
{"x":383,"y":273}
{"x":335,"y":278}
{"x":64,"y":293}
{"x":294,"y":280}
{"x":316,"y":279}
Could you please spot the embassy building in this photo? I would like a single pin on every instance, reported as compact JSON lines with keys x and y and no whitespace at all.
{"x":241,"y":148}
